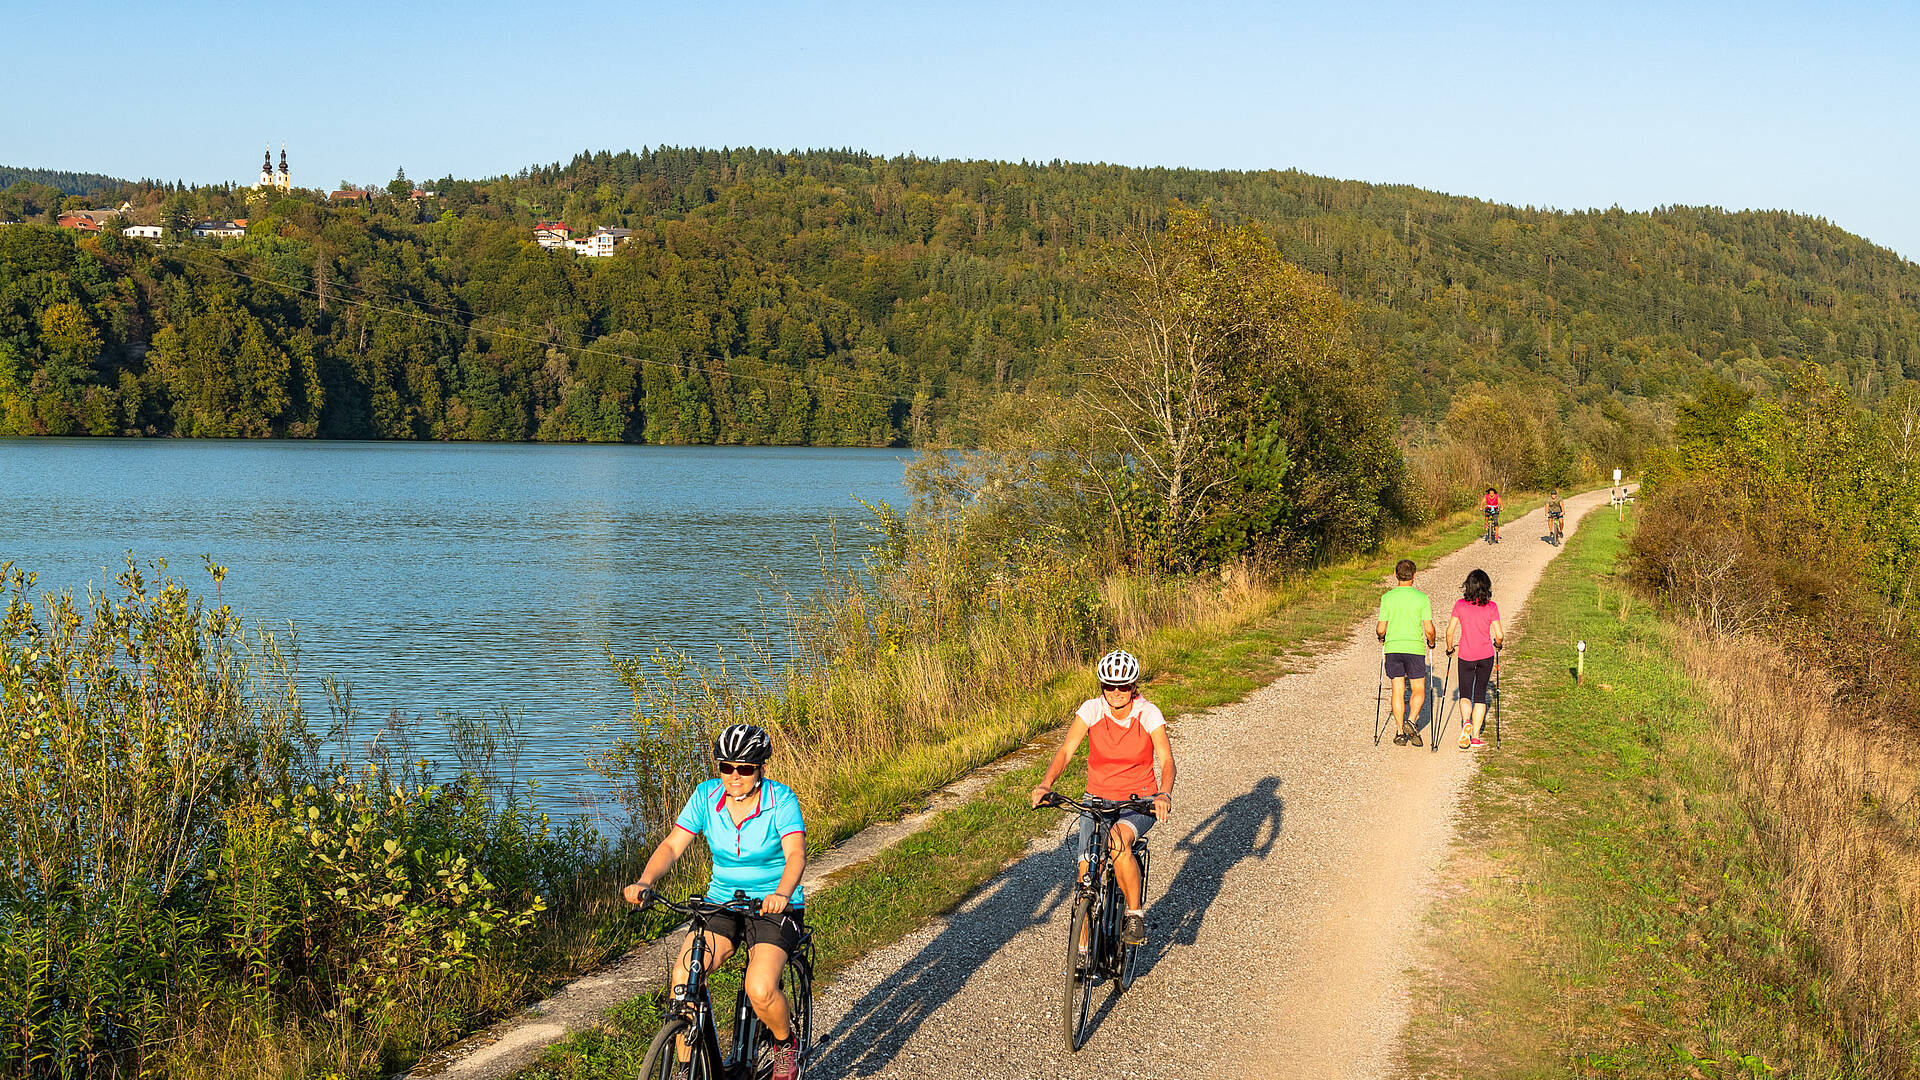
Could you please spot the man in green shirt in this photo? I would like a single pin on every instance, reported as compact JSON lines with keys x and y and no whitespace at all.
{"x":1406,"y":633}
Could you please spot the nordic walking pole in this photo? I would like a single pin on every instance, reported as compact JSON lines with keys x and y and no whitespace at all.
{"x":1379,"y":693}
{"x":1497,"y":646}
{"x":1446,"y":670}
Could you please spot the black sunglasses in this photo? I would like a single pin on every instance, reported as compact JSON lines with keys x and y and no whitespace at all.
{"x":728,"y":768}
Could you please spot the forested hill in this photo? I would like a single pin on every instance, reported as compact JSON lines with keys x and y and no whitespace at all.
{"x":67,"y":183}
{"x":840,"y":298}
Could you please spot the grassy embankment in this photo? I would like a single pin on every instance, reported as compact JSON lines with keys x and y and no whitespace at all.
{"x":1686,"y":867}
{"x":1195,"y":665}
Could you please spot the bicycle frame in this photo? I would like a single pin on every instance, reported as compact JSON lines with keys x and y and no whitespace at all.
{"x":1099,"y":882}
{"x":693,"y":1000}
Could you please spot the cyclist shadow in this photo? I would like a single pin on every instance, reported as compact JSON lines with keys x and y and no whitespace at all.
{"x":1246,"y":827}
{"x":878,"y":1026}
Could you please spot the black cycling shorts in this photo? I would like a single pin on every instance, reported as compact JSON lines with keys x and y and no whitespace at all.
{"x":1553,"y":513}
{"x":1474,"y":675}
{"x":744,"y":929}
{"x":1402,"y":665}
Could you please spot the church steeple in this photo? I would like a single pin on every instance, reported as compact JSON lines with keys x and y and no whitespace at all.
{"x":266,"y":167}
{"x":285,"y":183}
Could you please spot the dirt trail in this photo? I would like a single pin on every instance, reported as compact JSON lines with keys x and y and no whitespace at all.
{"x":1287,"y":891}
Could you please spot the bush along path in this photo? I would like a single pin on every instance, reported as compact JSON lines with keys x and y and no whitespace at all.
{"x":1288,"y":888}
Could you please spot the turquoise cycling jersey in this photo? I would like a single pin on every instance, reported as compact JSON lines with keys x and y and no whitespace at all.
{"x":748,"y":855}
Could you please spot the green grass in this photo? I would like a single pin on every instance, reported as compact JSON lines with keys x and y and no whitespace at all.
{"x":930,"y":873}
{"x":1612,"y":911}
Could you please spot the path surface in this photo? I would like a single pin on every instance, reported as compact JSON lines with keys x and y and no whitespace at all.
{"x":1287,"y":892}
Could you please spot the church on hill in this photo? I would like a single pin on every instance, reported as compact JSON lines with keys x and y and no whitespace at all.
{"x":282,"y":182}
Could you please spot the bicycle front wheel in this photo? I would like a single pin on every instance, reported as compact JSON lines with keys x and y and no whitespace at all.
{"x":1082,"y":951}
{"x":664,"y":1054}
{"x":1130,"y":954}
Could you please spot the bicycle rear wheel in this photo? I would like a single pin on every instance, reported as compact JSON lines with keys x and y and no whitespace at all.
{"x":797,"y":983}
{"x":1081,"y":960}
{"x":1129,"y":955}
{"x":663,"y":1055}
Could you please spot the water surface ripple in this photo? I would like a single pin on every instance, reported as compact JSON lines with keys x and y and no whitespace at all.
{"x":456,"y":577}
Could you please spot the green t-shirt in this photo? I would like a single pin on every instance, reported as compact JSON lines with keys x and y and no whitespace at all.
{"x":1404,"y":609}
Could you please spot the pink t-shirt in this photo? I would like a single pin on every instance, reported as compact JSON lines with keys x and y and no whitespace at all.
{"x":1476,"y":627}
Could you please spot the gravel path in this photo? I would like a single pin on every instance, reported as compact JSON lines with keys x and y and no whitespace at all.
{"x":1287,"y":891}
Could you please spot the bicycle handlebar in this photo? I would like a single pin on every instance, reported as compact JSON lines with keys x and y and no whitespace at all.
{"x":1137,"y":804}
{"x":702,"y":906}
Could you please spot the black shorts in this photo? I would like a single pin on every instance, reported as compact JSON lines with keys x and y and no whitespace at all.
{"x":1474,"y":675}
{"x":1402,"y":665}
{"x":1553,"y":515}
{"x":746,"y":930}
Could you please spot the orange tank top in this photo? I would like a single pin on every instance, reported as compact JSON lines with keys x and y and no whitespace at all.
{"x":1120,"y":758}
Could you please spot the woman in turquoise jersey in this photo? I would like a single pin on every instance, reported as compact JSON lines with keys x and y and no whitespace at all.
{"x":758,"y":842}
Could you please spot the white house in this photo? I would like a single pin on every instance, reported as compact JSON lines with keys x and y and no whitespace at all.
{"x":220,"y":230}
{"x":144,"y":232}
{"x":600,"y":243}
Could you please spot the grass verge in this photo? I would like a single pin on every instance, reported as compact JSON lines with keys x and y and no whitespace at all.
{"x":1193,"y":667}
{"x":1611,"y":909}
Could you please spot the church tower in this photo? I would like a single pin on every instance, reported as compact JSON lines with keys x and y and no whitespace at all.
{"x":266,"y":168}
{"x":285,"y":183}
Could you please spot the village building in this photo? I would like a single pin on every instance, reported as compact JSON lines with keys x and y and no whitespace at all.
{"x":144,"y":232}
{"x":551,"y":234}
{"x":348,"y":195}
{"x":220,"y":230}
{"x":79,"y":219}
{"x":600,"y":243}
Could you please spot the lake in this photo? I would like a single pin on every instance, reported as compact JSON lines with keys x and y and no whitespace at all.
{"x":455,"y":577}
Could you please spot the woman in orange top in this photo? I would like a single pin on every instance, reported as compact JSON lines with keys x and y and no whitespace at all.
{"x":1123,"y":732}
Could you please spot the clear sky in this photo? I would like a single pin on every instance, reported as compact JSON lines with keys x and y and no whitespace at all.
{"x":1812,"y":107}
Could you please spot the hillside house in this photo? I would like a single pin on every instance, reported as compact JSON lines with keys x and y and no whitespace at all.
{"x":551,"y":234}
{"x":79,"y":219}
{"x":350,"y":195}
{"x":600,"y":243}
{"x":144,"y":232}
{"x":220,"y":230}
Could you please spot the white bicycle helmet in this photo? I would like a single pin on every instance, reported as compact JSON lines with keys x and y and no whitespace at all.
{"x":743,"y":743}
{"x":1118,"y":668}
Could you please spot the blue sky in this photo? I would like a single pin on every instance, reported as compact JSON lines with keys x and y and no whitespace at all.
{"x":1815,"y":109}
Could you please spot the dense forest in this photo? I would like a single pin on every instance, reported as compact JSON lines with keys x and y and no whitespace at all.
{"x":839,"y":298}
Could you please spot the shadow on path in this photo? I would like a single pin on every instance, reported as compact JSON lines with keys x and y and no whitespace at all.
{"x":1247,"y":826}
{"x":876,"y":1027}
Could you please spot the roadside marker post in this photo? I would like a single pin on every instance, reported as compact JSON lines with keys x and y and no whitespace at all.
{"x":1580,"y":664}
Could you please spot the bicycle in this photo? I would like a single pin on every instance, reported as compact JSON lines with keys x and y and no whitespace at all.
{"x":1556,"y":529}
{"x":1094,"y":948}
{"x":1492,"y":535}
{"x":690,"y":1010}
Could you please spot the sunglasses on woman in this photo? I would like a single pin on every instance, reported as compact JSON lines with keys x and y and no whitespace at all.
{"x":728,"y":768}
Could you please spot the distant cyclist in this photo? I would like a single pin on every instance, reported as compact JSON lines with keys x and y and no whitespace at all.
{"x":1124,"y":732}
{"x":1556,"y":516}
{"x":758,"y":843}
{"x":1475,"y":631}
{"x":1405,"y":630}
{"x":1491,"y":505}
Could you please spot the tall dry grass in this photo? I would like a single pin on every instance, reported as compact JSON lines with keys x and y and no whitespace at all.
{"x":883,"y":688}
{"x":1838,"y":803}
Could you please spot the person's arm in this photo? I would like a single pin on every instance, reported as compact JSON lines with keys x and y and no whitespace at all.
{"x":1453,"y":633}
{"x":1163,"y":799}
{"x":1076,"y":731}
{"x":662,"y":860}
{"x":1380,"y":631}
{"x":794,"y":847}
{"x":1426,"y":627}
{"x":1499,"y":639}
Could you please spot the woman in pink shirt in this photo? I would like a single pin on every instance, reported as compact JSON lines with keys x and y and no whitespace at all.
{"x":1475,"y":631}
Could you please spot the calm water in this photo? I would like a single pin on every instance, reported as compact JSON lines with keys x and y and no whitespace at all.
{"x":471,"y":579}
